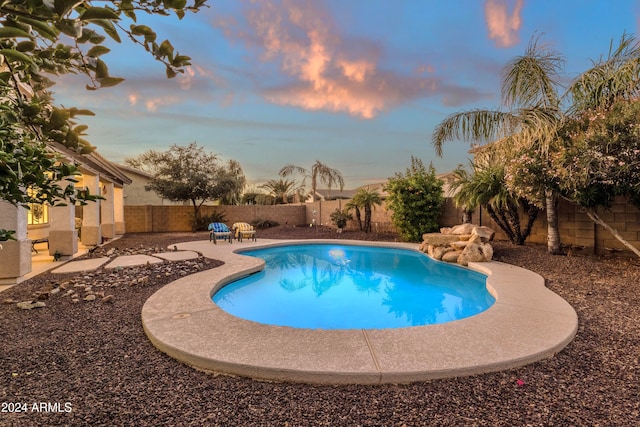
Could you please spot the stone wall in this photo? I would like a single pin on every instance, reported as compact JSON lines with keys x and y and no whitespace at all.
{"x":380,"y":215}
{"x":575,"y":227}
{"x":146,"y":219}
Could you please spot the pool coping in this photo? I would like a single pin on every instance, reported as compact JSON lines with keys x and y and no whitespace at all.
{"x":527,"y":323}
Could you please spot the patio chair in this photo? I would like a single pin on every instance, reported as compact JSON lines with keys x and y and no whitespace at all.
{"x":242,"y":230}
{"x":219,"y":231}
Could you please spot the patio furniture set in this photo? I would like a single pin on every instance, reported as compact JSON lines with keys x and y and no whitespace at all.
{"x":239,"y":230}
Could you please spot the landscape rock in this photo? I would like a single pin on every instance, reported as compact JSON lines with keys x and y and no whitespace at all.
{"x":437,"y":239}
{"x":459,"y":229}
{"x":439,"y":252}
{"x":462,"y":243}
{"x":451,"y":256}
{"x":28,"y":305}
{"x":475,"y":252}
{"x":485,"y":233}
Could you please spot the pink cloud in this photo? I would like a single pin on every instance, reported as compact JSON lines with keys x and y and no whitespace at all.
{"x":503,"y":26}
{"x":323,"y":71}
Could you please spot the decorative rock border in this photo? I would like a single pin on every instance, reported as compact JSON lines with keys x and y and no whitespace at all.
{"x":527,"y":323}
{"x":461,"y":244}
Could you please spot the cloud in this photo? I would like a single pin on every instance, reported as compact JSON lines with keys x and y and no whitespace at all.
{"x":319,"y":70}
{"x":503,"y":27}
{"x":154,"y":93}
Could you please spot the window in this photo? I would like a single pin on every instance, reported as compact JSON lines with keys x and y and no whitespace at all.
{"x":37,"y":214}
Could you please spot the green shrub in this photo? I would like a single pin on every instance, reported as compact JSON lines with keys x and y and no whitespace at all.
{"x":340,"y":217}
{"x":416,"y":198}
{"x":203,"y":222}
{"x":7,"y":235}
{"x":264,"y":223}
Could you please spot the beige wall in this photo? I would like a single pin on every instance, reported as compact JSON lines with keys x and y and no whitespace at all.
{"x":136,"y":195}
{"x":575,"y":226}
{"x":142,"y":219}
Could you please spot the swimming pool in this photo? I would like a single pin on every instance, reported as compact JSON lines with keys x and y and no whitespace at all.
{"x":527,"y":323}
{"x":331,"y":286}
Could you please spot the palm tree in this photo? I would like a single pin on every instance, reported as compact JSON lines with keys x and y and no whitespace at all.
{"x":611,"y":80}
{"x":353,"y":205}
{"x":319,"y":172}
{"x":280,"y":189}
{"x":486,"y":187}
{"x":365,"y":199}
{"x":534,"y":113}
{"x":529,"y":92}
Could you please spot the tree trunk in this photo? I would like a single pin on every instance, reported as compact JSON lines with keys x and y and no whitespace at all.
{"x":593,"y":216}
{"x":367,"y":218}
{"x":501,"y":221}
{"x":532,"y":212}
{"x":196,"y":215}
{"x":514,"y":220}
{"x":554,"y":245}
{"x":358,"y":218}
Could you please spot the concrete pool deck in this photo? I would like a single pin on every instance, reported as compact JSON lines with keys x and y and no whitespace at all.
{"x":527,"y":323}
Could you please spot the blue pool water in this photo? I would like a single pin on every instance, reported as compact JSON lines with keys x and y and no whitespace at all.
{"x":326,"y":286}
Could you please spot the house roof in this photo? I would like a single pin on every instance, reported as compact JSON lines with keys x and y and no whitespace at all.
{"x":94,"y":162}
{"x":128,"y":169}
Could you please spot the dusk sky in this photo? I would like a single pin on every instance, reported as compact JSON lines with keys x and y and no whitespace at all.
{"x":357,"y":84}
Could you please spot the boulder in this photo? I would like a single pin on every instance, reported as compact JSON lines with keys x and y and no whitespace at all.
{"x":451,"y":256}
{"x":463,"y":229}
{"x":460,"y":245}
{"x":430,"y":250}
{"x":439,"y":252}
{"x":476,"y":252}
{"x":475,"y":239}
{"x":487,"y":249}
{"x":437,"y":239}
{"x":485,"y":233}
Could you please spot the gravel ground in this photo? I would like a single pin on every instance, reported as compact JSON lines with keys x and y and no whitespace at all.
{"x":90,"y":362}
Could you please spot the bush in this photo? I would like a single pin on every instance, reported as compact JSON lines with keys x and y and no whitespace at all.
{"x":416,"y":198}
{"x":340,"y":217}
{"x":203,"y":222}
{"x":264,"y":223}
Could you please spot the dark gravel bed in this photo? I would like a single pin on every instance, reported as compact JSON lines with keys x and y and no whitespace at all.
{"x":89,"y":363}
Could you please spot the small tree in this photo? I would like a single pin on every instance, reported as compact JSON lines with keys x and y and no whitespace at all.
{"x":365,"y":199}
{"x":189,"y":174}
{"x":41,"y":40}
{"x":416,"y":199}
{"x":601,"y":161}
{"x":340,"y":217}
{"x":486,"y":187}
{"x":280,"y":189}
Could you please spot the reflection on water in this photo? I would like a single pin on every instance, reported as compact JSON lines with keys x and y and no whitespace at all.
{"x":344,"y":287}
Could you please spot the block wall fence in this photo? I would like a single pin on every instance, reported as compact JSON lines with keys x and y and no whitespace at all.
{"x":575,"y":227}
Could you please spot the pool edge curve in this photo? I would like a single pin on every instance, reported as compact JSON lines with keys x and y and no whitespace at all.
{"x":527,"y":323}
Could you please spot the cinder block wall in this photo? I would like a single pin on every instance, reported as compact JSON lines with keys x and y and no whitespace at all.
{"x":575,"y":227}
{"x":149,"y":219}
{"x":380,"y":215}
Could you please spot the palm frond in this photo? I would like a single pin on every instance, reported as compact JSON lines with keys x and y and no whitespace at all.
{"x":611,"y":79}
{"x":532,"y":79}
{"x":473,"y":125}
